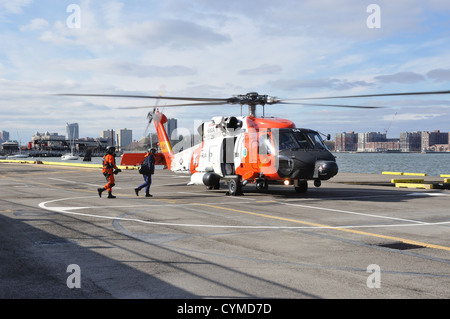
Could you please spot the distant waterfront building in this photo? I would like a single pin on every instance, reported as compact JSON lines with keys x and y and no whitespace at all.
{"x":10,"y":146}
{"x":346,"y":142}
{"x":109,"y":135}
{"x":410,"y":141}
{"x":124,"y":138}
{"x":72,"y":131}
{"x":4,"y":136}
{"x":46,"y":141}
{"x":368,"y":142}
{"x":430,"y":139}
{"x":377,"y":142}
{"x":392,"y":145}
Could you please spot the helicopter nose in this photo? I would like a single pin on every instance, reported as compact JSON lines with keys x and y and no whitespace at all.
{"x":325,"y":169}
{"x":301,"y":165}
{"x":285,"y":166}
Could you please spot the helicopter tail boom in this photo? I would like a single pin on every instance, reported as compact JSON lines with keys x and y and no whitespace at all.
{"x":164,"y":142}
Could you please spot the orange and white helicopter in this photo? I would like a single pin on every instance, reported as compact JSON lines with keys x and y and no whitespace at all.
{"x":243,"y":150}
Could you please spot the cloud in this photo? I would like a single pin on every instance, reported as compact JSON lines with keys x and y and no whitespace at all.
{"x":335,"y":84}
{"x":262,"y":69}
{"x":175,"y":34}
{"x":440,"y":75}
{"x":35,"y":24}
{"x":325,"y":19}
{"x":14,"y":6}
{"x":401,"y":77}
{"x":413,"y":117}
{"x":122,"y":68}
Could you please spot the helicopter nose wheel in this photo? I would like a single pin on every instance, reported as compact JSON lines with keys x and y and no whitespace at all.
{"x":317,"y":182}
{"x":301,"y":186}
{"x":262,"y":185}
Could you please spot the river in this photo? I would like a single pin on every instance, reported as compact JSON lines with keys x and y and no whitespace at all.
{"x":432,"y":164}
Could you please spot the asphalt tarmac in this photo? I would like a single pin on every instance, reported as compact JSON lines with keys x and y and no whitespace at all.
{"x":355,"y":237}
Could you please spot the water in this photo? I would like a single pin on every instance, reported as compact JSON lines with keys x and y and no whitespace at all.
{"x":94,"y":160}
{"x":432,"y":164}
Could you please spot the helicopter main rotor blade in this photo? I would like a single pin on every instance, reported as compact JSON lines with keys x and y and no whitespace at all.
{"x":337,"y":105}
{"x":370,"y":95}
{"x":148,"y":97}
{"x":173,"y":105}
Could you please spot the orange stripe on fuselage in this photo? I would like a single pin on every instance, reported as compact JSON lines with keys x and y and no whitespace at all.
{"x":253,"y":163}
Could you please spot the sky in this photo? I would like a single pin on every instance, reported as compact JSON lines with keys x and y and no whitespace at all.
{"x":211,"y":48}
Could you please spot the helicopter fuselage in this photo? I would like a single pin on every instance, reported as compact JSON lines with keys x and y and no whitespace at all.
{"x":250,"y":149}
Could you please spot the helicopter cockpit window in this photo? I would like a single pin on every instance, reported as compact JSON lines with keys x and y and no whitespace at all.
{"x":302,"y":140}
{"x":286,"y":141}
{"x":317,"y":140}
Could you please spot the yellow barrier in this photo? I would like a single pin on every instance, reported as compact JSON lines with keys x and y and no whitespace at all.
{"x":392,"y":173}
{"x":394,"y":181}
{"x":64,"y":164}
{"x":412,"y":185}
{"x":445,"y":175}
{"x":401,"y":173}
{"x":415,"y":174}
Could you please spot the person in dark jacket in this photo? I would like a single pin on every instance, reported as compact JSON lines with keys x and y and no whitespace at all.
{"x":147,"y":170}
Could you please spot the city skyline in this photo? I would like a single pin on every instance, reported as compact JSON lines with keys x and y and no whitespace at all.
{"x":417,"y":141}
{"x":72,"y":132}
{"x":219,"y":49}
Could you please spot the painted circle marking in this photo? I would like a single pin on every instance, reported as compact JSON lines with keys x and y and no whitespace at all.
{"x":70,"y":211}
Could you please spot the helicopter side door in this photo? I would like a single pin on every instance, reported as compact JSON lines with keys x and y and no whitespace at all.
{"x":227,"y":154}
{"x":239,"y":151}
{"x":246,"y":156}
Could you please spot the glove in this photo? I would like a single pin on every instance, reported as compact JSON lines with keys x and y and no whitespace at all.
{"x":117,"y":171}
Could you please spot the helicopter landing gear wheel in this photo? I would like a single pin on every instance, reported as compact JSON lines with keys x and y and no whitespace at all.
{"x":234,"y":187}
{"x":262,"y":185}
{"x":215,"y":186}
{"x":302,"y":187}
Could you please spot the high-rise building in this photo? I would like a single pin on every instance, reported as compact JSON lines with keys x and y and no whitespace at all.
{"x":72,"y":131}
{"x":370,"y":141}
{"x":109,"y":135}
{"x":124,"y":138}
{"x":430,"y":139}
{"x":410,"y":141}
{"x":171,"y":126}
{"x":346,"y":142}
{"x":4,"y":136}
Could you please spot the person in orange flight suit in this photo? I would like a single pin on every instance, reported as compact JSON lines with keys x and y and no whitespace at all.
{"x":109,"y":170}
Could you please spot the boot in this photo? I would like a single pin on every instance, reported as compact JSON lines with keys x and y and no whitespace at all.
{"x":110,"y":195}
{"x":148,"y":195}
{"x":136,"y":190}
{"x":100,"y":191}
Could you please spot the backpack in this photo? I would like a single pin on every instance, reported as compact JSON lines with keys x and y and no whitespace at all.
{"x":145,"y":169}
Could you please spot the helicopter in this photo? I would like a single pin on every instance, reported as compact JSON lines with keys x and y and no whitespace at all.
{"x":243,"y":150}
